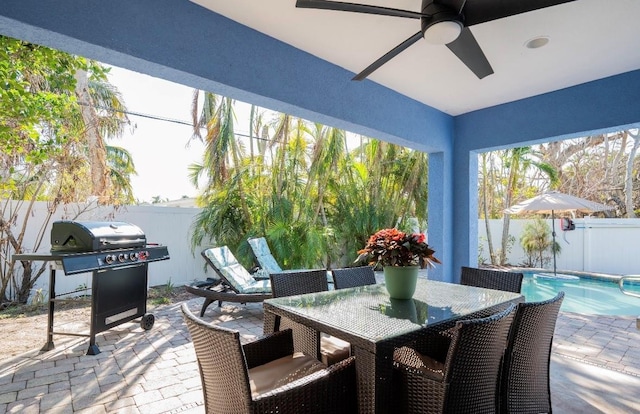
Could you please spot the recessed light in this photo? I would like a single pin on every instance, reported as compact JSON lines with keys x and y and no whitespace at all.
{"x":536,"y":42}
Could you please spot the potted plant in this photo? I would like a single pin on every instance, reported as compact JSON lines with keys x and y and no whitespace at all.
{"x":401,"y":255}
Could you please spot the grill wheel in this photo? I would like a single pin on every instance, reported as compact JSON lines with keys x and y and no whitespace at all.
{"x":147,"y":321}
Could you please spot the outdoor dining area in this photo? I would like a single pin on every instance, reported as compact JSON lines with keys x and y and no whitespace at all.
{"x":456,"y":338}
{"x":356,"y":345}
{"x":163,"y":370}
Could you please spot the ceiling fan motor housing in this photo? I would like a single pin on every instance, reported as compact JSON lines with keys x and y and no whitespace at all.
{"x":445,"y":20}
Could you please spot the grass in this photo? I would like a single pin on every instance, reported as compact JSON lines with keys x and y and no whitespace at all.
{"x":161,"y":295}
{"x":15,"y":310}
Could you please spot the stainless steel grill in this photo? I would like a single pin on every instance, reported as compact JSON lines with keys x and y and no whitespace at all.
{"x":118,"y":255}
{"x":76,"y":236}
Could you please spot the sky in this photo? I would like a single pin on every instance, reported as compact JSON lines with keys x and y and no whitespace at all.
{"x":159,"y":148}
{"x":162,"y":151}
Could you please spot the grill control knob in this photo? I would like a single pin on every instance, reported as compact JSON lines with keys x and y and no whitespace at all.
{"x":143,"y":255}
{"x":109,"y":259}
{"x":122,"y":257}
{"x":133,"y":256}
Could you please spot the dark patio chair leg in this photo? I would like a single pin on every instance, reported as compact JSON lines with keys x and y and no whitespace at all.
{"x":205,"y":305}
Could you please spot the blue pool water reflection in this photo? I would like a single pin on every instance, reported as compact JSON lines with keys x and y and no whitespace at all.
{"x":582,"y":295}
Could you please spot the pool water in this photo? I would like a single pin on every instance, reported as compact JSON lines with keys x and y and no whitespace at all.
{"x":588,"y":296}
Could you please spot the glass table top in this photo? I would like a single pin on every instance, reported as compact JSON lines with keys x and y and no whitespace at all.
{"x":369,"y":313}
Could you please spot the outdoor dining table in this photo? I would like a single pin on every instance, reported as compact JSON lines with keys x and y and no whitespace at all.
{"x":375,"y":324}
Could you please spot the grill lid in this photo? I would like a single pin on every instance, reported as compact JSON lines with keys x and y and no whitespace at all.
{"x":87,"y":236}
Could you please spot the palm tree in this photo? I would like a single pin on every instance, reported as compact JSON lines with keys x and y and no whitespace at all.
{"x":223,"y":152}
{"x":535,"y":240}
{"x":121,"y":167}
{"x":102,"y":116}
{"x":380,"y":185}
{"x":298,"y":186}
{"x":518,"y":161}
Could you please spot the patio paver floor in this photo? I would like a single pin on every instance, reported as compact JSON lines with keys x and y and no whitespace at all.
{"x":595,"y":366}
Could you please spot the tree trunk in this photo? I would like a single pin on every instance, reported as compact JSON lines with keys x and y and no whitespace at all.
{"x":97,"y":151}
{"x":492,"y":256}
{"x":628,"y":182}
{"x":511,"y":184}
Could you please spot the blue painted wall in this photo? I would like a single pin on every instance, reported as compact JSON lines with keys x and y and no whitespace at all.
{"x":179,"y":41}
{"x":182,"y":42}
{"x":601,"y":106}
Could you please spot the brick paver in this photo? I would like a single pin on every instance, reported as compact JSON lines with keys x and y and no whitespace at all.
{"x":607,"y":341}
{"x":156,"y":371}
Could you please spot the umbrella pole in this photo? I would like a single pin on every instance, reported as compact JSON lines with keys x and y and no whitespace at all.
{"x":553,"y":246}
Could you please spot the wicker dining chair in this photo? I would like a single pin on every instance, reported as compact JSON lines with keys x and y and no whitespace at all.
{"x":353,"y":276}
{"x":266,"y":376}
{"x":491,"y":279}
{"x":330,"y":349}
{"x":525,"y":384}
{"x":466,"y":381}
{"x":298,"y":282}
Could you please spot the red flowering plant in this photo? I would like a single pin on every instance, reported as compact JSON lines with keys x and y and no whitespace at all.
{"x":392,"y":247}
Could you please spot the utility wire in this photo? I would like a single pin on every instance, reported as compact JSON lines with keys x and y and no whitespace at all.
{"x":161,"y":118}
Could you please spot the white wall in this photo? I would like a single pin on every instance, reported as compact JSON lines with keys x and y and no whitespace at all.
{"x":596,"y":245}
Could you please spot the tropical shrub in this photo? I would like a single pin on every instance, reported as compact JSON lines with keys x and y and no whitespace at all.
{"x":536,"y":240}
{"x":314,"y":196}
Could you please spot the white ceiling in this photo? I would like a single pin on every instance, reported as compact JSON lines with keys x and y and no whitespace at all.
{"x":589,"y":40}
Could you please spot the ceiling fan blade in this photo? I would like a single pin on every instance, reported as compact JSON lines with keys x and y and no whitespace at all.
{"x":466,"y":48}
{"x":388,"y":56}
{"x":481,"y":11}
{"x":357,"y":8}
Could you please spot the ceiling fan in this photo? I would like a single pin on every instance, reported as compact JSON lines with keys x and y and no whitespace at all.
{"x":444,"y":22}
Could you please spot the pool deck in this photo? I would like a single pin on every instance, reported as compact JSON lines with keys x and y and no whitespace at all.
{"x":595,"y":366}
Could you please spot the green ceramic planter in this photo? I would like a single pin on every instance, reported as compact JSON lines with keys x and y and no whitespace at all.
{"x":401,"y":281}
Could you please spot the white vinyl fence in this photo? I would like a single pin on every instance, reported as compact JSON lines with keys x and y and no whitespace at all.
{"x":596,"y":245}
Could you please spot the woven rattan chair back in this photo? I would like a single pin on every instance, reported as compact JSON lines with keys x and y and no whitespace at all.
{"x":225,"y":365}
{"x":525,"y":376}
{"x":472,"y":367}
{"x":298,"y":282}
{"x":353,"y":276}
{"x":221,"y":361}
{"x":491,"y":279}
{"x":466,"y":381}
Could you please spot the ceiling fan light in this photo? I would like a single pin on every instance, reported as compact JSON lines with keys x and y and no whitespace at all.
{"x":443,"y":32}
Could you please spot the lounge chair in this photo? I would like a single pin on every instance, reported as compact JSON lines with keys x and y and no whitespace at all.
{"x":266,"y":262}
{"x":491,"y":279}
{"x":233,"y":283}
{"x":262,"y":255}
{"x":266,"y":376}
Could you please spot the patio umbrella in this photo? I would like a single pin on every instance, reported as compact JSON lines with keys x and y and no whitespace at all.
{"x":553,"y":202}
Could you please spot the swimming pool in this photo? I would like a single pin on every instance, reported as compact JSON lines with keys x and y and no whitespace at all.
{"x":586,"y":295}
